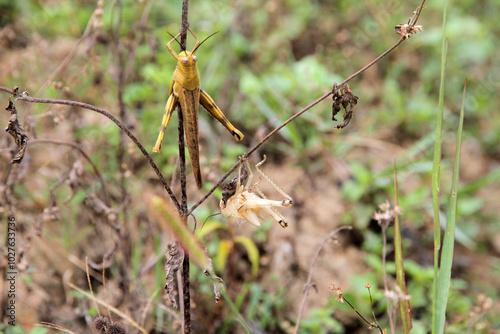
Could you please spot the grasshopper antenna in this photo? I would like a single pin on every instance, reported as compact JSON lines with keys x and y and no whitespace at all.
{"x":215,"y":214}
{"x":203,"y":42}
{"x":175,"y":38}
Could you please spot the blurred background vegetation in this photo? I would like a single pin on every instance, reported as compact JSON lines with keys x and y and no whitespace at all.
{"x":269,"y":60}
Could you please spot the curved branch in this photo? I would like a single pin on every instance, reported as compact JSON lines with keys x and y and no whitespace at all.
{"x":23,"y":97}
{"x":82,"y":152}
{"x":266,"y":138}
{"x":309,"y":277}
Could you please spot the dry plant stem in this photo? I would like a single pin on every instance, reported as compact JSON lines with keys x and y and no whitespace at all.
{"x":141,"y":27}
{"x":386,"y":288}
{"x":67,"y":59}
{"x":266,"y":138}
{"x":182,"y":163}
{"x":363,"y":318}
{"x":373,"y":310}
{"x":110,"y":307}
{"x":309,"y":277}
{"x":54,"y":326}
{"x":82,"y":152}
{"x":186,"y":304}
{"x":119,"y":54}
{"x":21,"y":97}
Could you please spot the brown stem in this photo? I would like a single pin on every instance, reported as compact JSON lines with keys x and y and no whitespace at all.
{"x":119,"y":55}
{"x":82,"y":152}
{"x":266,"y":138}
{"x":182,"y":166}
{"x":363,"y":318}
{"x":309,"y":277}
{"x":27,"y":98}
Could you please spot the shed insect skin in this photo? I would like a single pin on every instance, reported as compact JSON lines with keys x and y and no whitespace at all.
{"x":185,"y":90}
{"x":246,"y":202}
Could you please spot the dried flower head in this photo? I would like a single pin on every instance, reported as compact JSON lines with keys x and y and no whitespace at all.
{"x":100,"y":323}
{"x":339,"y":298}
{"x":387,"y":216}
{"x":410,"y":28}
{"x":116,"y":328}
{"x":407,"y":30}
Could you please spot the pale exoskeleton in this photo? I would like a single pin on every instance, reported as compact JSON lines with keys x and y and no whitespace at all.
{"x":248,"y":200}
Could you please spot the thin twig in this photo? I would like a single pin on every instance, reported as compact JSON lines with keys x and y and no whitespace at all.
{"x":376,"y":325}
{"x":69,"y":57}
{"x":386,"y":286}
{"x":185,"y":305}
{"x":82,"y":152}
{"x":119,"y":55}
{"x":266,"y":138}
{"x":186,"y":311}
{"x":139,"y":31}
{"x":309,"y":277}
{"x":253,"y":149}
{"x":182,"y":162}
{"x":112,"y":118}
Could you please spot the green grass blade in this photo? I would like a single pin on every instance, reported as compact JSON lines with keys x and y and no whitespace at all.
{"x":404,"y":304}
{"x":252,"y":251}
{"x":449,"y":236}
{"x":235,"y":311}
{"x":169,"y":218}
{"x":436,"y":170}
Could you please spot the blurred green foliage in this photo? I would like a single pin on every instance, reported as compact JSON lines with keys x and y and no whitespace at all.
{"x":271,"y":59}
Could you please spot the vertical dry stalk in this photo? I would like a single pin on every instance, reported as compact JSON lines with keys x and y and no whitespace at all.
{"x":309,"y":276}
{"x":185,"y":305}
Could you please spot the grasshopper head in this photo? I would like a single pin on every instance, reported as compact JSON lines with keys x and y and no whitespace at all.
{"x":187,"y":58}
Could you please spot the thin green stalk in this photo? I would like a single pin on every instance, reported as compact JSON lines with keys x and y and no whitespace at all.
{"x":235,"y":311}
{"x":449,"y":236}
{"x":436,"y":170}
{"x":404,"y":304}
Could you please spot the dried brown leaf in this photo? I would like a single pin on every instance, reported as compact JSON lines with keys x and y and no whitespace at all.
{"x":216,"y":280}
{"x":343,"y":97}
{"x":175,"y":257}
{"x":17,"y":132}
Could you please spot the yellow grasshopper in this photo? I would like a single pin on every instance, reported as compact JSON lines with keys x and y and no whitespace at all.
{"x":185,"y":89}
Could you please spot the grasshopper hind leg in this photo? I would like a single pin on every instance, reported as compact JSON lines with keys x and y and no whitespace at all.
{"x":169,"y":108}
{"x":209,"y":104}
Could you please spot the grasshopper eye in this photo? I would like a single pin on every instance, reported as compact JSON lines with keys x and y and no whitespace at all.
{"x":195,"y":58}
{"x":184,"y":60}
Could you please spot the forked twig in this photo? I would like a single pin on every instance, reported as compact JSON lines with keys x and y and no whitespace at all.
{"x":82,"y":152}
{"x":27,"y":98}
{"x":116,"y":311}
{"x":414,"y":20}
{"x":309,"y":277}
{"x":183,"y":210}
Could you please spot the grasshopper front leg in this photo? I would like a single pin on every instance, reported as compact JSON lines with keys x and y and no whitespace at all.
{"x":209,"y":104}
{"x":169,"y":108}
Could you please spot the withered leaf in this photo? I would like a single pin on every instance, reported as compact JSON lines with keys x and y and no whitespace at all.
{"x":175,"y":257}
{"x":216,"y":280}
{"x":17,"y":132}
{"x":343,"y":97}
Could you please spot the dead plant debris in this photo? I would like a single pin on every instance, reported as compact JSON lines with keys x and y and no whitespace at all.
{"x":175,"y":257}
{"x":16,"y":130}
{"x":343,"y":97}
